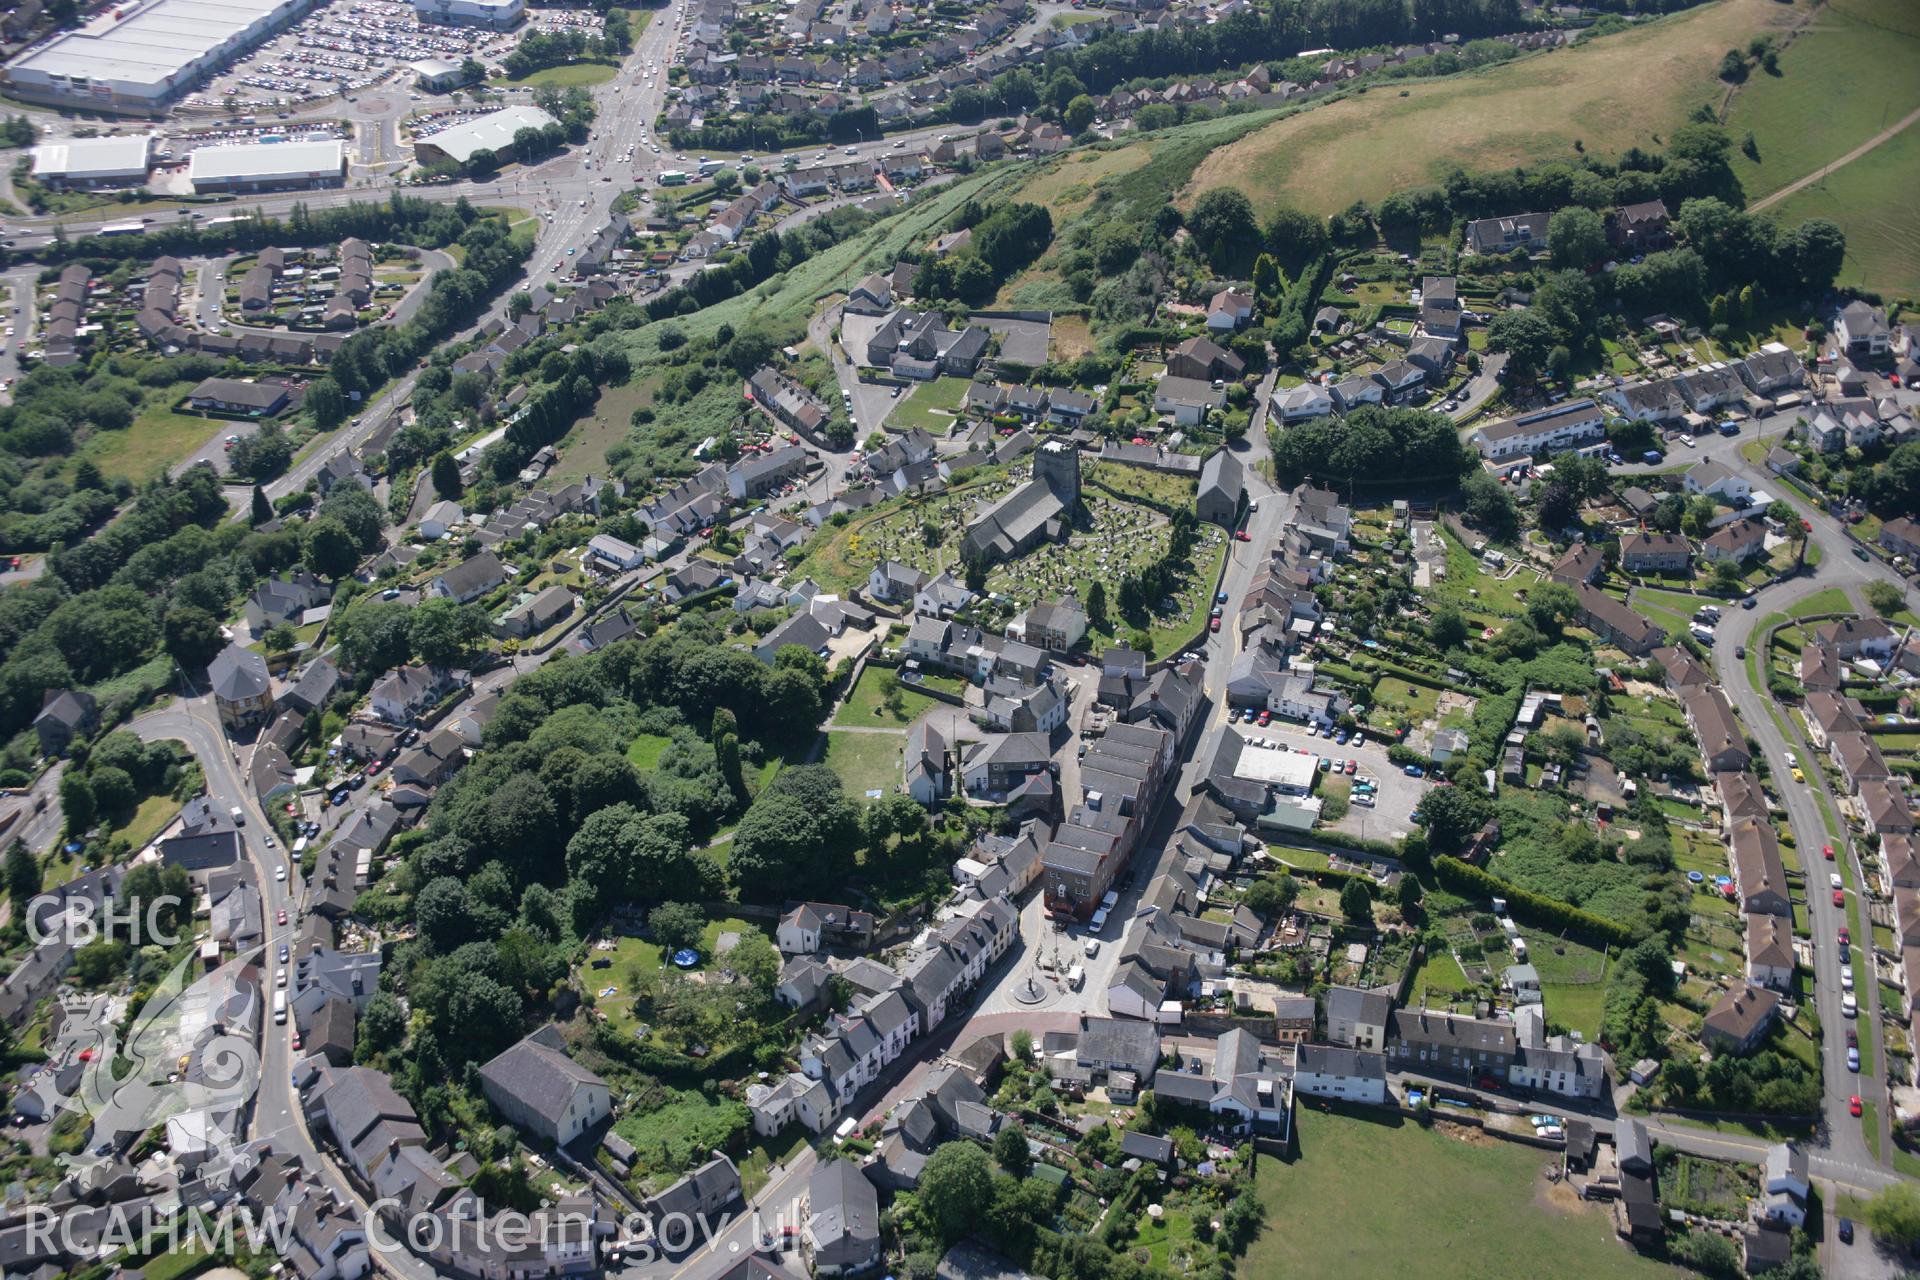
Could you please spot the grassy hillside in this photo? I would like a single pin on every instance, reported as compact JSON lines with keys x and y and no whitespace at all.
{"x":1610,"y":94}
{"x":1848,"y":74}
{"x":1872,"y":200}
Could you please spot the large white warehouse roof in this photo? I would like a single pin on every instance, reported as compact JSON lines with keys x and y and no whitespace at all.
{"x":82,"y":159}
{"x":266,"y":161}
{"x":154,"y":48}
{"x":493,"y":131}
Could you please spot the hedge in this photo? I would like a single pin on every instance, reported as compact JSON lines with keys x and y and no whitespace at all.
{"x":1524,"y":904}
{"x":1340,"y":839}
{"x":1137,"y":499}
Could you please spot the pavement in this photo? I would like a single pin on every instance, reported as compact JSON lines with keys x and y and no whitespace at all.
{"x":43,"y":826}
{"x":1841,"y":1149}
{"x":276,"y":1109}
{"x":24,"y":317}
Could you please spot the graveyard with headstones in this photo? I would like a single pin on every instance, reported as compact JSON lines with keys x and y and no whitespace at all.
{"x":1108,"y":538}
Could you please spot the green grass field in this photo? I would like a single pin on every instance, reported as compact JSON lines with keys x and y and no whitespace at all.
{"x":862,"y":709}
{"x":1618,"y":91}
{"x":1182,"y":628}
{"x":645,"y":750}
{"x":156,"y":440}
{"x":1411,"y":702}
{"x":1441,"y":976}
{"x":583,"y":451}
{"x":1844,"y":78}
{"x":1872,"y":201}
{"x":1454,"y":1206}
{"x":934,"y":407}
{"x":865,"y":761}
{"x":1831,"y":600}
{"x":147,"y":820}
{"x":631,"y":953}
{"x":576,"y":73}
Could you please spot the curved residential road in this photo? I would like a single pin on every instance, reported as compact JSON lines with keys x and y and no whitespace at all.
{"x":1847,"y":1156}
{"x":276,"y":1108}
{"x":1890,"y":131}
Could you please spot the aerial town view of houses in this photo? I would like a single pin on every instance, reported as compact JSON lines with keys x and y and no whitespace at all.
{"x":1084,"y":639}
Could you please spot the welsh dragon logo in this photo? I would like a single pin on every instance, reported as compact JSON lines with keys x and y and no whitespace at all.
{"x":192,"y":1049}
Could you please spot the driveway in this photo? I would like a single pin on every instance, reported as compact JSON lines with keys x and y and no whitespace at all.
{"x":1481,"y":387}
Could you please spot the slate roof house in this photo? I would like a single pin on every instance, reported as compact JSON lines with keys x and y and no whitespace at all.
{"x":1444,"y":1043}
{"x":1740,"y":1019}
{"x":842,"y":1212}
{"x":544,"y":1092}
{"x":66,"y":714}
{"x":707,"y":1190}
{"x":242,"y":689}
{"x":1222,"y":484}
{"x":470,"y":579}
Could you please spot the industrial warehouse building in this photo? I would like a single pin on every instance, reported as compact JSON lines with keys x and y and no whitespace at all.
{"x":499,"y":14}
{"x":268,"y":166}
{"x":142,"y":56}
{"x":93,"y":162}
{"x":492,"y":132}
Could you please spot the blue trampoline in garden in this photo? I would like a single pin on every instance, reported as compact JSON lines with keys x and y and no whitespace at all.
{"x":686,"y":958}
{"x":1695,"y":877}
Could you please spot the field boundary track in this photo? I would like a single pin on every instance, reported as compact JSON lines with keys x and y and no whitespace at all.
{"x":1792,"y":188}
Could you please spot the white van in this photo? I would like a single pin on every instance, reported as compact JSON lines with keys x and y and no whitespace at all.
{"x":280,"y":1007}
{"x":1077,"y":977}
{"x":238,"y":815}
